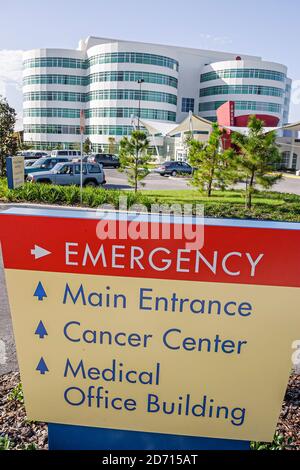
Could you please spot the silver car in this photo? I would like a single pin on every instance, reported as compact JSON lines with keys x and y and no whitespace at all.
{"x":67,"y":174}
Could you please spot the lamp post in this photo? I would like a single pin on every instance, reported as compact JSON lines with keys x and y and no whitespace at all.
{"x":140,"y":81}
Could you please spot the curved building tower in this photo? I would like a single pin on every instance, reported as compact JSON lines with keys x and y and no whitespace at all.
{"x":256,"y":87}
{"x":115,"y":80}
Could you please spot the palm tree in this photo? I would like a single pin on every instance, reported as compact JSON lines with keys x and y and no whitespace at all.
{"x":134,"y":157}
{"x":258,"y":155}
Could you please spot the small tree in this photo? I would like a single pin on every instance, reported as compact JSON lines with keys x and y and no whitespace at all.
{"x":87,"y":145}
{"x":134,"y":157}
{"x":214,"y":168}
{"x":8,"y":141}
{"x":258,"y":155}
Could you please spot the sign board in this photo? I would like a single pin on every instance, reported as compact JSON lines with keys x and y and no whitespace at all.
{"x":15,"y":172}
{"x":147,"y":334}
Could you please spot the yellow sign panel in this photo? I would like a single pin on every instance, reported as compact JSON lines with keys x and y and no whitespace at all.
{"x":123,"y":353}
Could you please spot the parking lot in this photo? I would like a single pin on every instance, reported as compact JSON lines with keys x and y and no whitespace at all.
{"x":117,"y":180}
{"x":155,"y":182}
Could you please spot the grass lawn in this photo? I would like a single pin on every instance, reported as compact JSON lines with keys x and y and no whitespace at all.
{"x":233,"y":196}
{"x":266,"y":205}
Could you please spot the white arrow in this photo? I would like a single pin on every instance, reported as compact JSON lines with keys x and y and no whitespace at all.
{"x":39,"y":252}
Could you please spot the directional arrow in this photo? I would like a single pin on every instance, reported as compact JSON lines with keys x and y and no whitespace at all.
{"x":40,"y":292}
{"x":39,"y":252}
{"x":41,"y":330}
{"x":42,"y":367}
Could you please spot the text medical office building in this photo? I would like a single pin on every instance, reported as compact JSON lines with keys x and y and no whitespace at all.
{"x":102,"y":76}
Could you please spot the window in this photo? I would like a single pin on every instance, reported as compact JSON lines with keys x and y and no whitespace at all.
{"x":55,"y":62}
{"x":131,"y":76}
{"x":94,"y":169}
{"x":134,"y":57}
{"x":294,"y":161}
{"x":123,"y":94}
{"x":55,"y":79}
{"x":243,"y":73}
{"x":54,"y":96}
{"x":241,"y":89}
{"x":77,"y":169}
{"x":243,"y":105}
{"x":145,"y":113}
{"x":187,"y":105}
{"x":66,"y":170}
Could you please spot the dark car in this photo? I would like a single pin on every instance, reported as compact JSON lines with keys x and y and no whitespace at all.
{"x":107,"y":160}
{"x":174,"y":169}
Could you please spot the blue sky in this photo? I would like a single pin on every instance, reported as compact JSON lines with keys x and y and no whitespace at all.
{"x":267,"y":28}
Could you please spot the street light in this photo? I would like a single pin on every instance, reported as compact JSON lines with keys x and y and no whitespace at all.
{"x":140,"y":81}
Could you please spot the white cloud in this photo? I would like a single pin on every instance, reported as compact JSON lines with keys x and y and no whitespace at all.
{"x":11,"y":79}
{"x":10,"y":69}
{"x":218,"y":40}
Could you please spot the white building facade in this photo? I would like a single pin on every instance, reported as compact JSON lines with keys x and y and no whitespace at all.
{"x":114,"y":81}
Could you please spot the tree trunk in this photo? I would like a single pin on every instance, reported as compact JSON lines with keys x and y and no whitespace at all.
{"x":210,"y":182}
{"x":209,"y":188}
{"x":136,"y":172}
{"x":249,"y":192}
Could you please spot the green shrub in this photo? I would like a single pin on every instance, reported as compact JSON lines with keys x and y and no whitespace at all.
{"x":17,"y":393}
{"x":5,"y":443}
{"x":225,"y":204}
{"x":277,"y":444}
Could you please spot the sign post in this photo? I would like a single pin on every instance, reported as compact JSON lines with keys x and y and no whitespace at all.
{"x":82,"y":129}
{"x":15,"y":172}
{"x":146,"y":342}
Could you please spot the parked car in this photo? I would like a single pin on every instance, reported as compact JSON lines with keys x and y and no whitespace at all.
{"x":174,"y":168}
{"x":69,"y":173}
{"x":29,"y":162}
{"x":107,"y":160}
{"x":32,"y":154}
{"x":44,"y":164}
{"x":70,"y":154}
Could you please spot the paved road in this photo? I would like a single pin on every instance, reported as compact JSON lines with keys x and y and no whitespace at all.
{"x":115,"y":180}
{"x":155,"y":182}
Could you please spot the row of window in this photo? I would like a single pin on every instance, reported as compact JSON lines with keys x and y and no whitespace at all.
{"x":55,"y":79}
{"x":243,"y":105}
{"x":75,"y":130}
{"x":51,"y":113}
{"x":116,"y":76}
{"x":241,"y":90}
{"x":243,"y":73}
{"x":128,"y":76}
{"x":110,"y":94}
{"x":145,"y":113}
{"x":42,"y":145}
{"x":107,"y":58}
{"x":134,"y":57}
